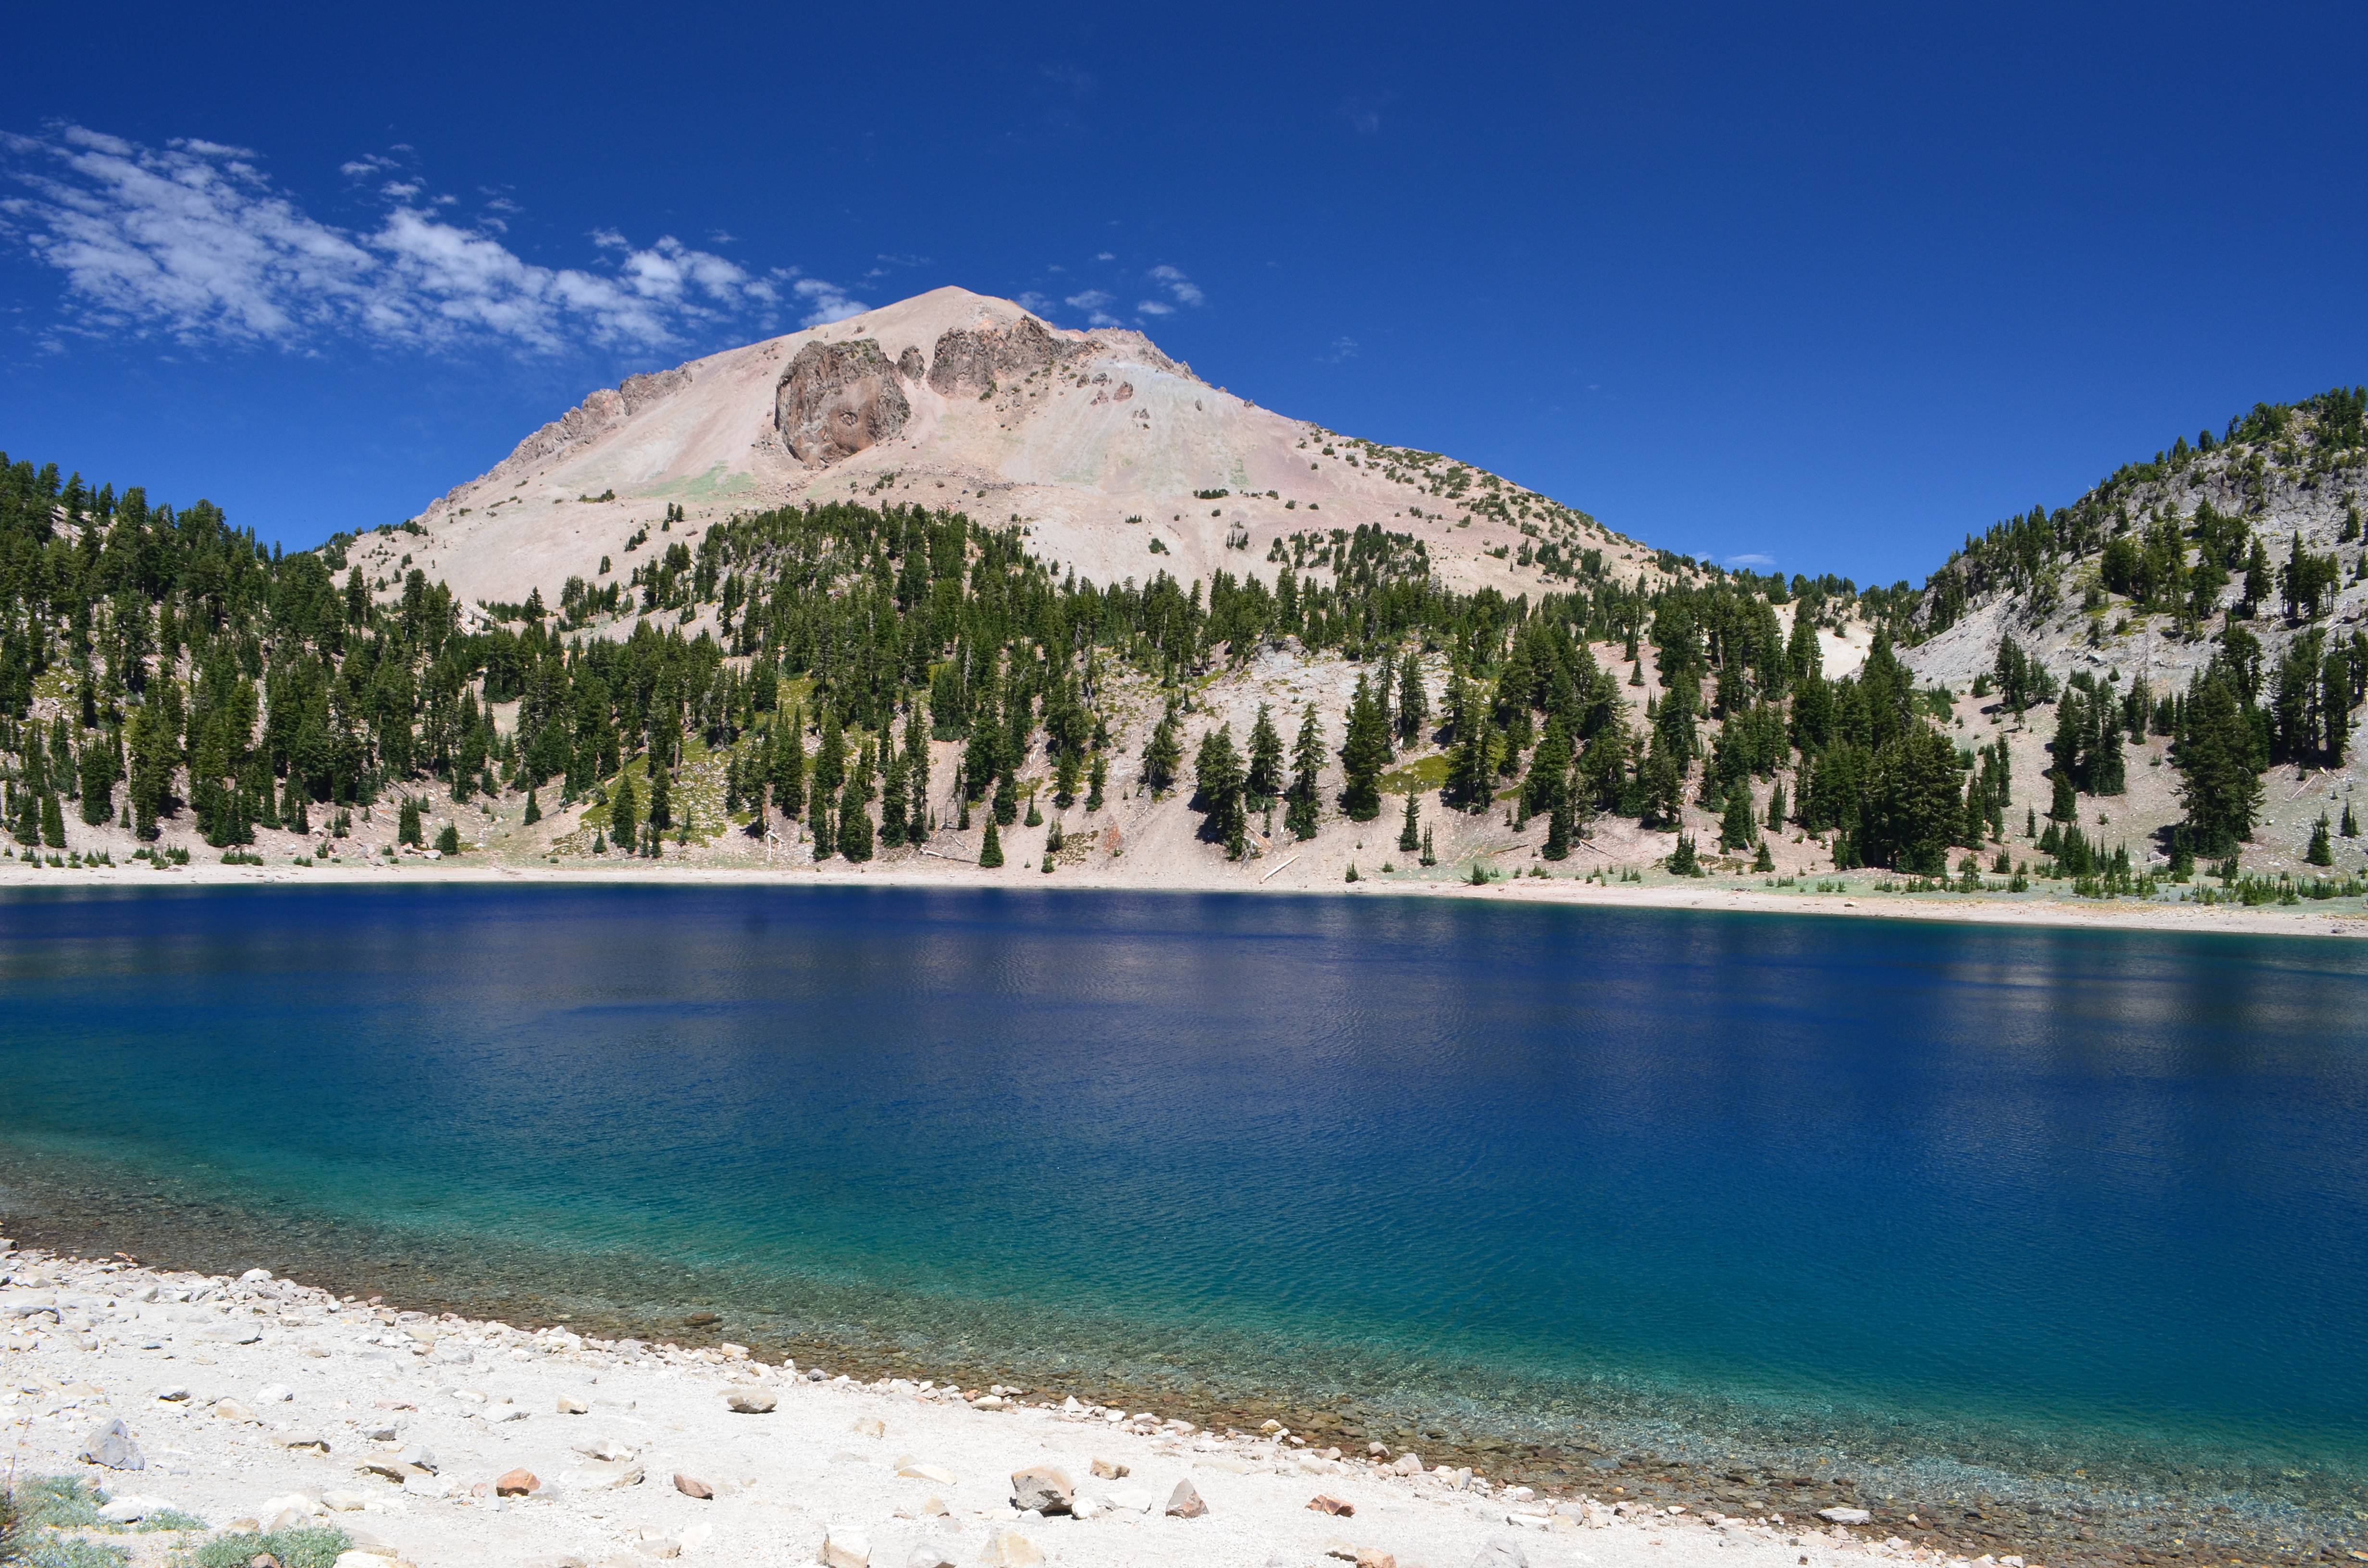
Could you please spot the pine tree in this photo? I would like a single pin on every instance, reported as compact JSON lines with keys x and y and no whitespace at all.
{"x":1265,"y":779}
{"x":99,"y":773}
{"x":786,"y":762}
{"x":855,"y":834}
{"x":1363,"y":756}
{"x":1162,"y":754}
{"x":449,"y":841}
{"x":1307,"y":767}
{"x":1095,"y":779}
{"x":53,"y":823}
{"x":1413,"y":703}
{"x":623,"y":823}
{"x":1430,"y":855}
{"x":916,"y":777}
{"x":406,"y":823}
{"x":1560,"y":824}
{"x":1763,"y":861}
{"x":1470,"y":777}
{"x":1007,"y":799}
{"x":533,"y":810}
{"x":1410,"y":830}
{"x":893,"y":799}
{"x":154,"y":747}
{"x":2222,"y":788}
{"x":990,"y":848}
{"x":661,"y":813}
{"x":1776,"y":809}
{"x":1217,"y":776}
{"x":2350,"y":828}
{"x":2322,"y":849}
{"x":1740,"y":825}
{"x":1684,"y":861}
{"x":830,"y":759}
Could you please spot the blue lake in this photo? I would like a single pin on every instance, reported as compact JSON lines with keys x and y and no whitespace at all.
{"x":1885,"y":1192}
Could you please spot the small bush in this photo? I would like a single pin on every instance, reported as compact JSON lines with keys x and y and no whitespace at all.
{"x":308,"y":1547}
{"x":75,"y":1551}
{"x":59,"y":1502}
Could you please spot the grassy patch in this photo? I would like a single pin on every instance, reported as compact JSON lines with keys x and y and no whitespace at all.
{"x":1419,"y":776}
{"x":310,"y":1547}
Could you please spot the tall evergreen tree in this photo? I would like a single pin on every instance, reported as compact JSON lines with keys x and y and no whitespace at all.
{"x":990,"y":847}
{"x":786,"y":762}
{"x":1265,"y":779}
{"x":661,"y":812}
{"x":624,"y":821}
{"x":1414,"y":702}
{"x":1410,"y":830}
{"x":916,"y":777}
{"x":1307,"y":767}
{"x":830,"y":757}
{"x":98,"y":771}
{"x":1740,"y":826}
{"x":2222,"y":780}
{"x":855,"y":832}
{"x":1363,"y":754}
{"x":1217,"y":775}
{"x":1162,"y":754}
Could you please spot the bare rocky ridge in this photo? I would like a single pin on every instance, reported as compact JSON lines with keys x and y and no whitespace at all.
{"x":1097,"y":443}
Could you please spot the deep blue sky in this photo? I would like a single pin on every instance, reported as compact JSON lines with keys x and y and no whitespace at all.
{"x":1830,"y":289}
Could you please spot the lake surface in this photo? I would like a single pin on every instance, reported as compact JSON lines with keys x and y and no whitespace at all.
{"x":1884,"y":1193}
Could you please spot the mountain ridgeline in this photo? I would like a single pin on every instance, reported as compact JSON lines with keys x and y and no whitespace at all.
{"x":160,"y":666}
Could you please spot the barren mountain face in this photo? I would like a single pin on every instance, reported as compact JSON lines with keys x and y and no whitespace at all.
{"x":1118,"y":461}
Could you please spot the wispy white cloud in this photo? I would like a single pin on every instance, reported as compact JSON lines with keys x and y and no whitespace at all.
{"x":1757,"y":562}
{"x":1154,"y":307}
{"x":195,"y":241}
{"x":1342,"y":348}
{"x":1186,"y":291}
{"x":829,"y":302}
{"x":1096,"y":304}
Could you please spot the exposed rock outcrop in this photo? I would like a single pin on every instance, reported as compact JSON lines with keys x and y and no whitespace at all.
{"x":835,"y":399}
{"x":909,"y":366}
{"x":600,"y":410}
{"x":972,"y":357}
{"x":639,"y":392}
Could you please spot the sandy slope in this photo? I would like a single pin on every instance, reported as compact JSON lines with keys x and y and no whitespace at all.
{"x":266,"y":1401}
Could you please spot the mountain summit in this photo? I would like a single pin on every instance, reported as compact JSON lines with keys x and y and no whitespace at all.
{"x":1111,"y":453}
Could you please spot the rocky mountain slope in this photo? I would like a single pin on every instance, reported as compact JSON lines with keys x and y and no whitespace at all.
{"x":1118,"y":461}
{"x":2245,"y":548}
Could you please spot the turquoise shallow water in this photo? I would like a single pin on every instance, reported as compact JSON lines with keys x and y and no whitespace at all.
{"x":2029,"y":1199}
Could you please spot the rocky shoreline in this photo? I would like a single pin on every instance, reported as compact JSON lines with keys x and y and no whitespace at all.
{"x":431,"y":1437}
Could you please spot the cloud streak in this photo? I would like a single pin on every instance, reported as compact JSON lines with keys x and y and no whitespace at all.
{"x":194,"y":242}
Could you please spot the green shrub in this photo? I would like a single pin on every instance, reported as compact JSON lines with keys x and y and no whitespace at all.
{"x":73,"y":1552}
{"x":308,"y":1547}
{"x":60,"y":1502}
